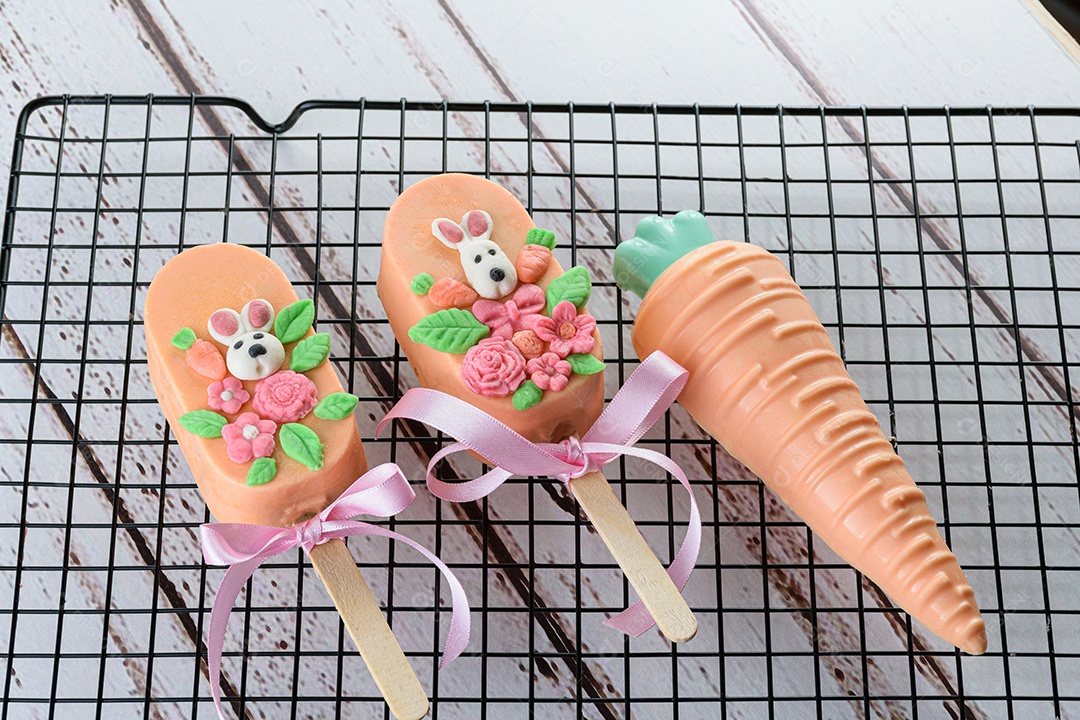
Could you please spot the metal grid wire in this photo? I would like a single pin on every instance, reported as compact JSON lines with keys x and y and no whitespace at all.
{"x":939,"y":246}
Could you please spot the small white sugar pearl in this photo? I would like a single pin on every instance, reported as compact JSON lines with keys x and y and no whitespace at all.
{"x":251,"y":432}
{"x":226,"y":395}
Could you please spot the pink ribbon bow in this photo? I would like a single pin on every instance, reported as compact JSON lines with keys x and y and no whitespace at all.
{"x":381,"y":491}
{"x":643,"y":400}
{"x":506,"y":318}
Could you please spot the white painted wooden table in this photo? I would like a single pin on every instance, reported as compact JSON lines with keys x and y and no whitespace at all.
{"x":788,"y":630}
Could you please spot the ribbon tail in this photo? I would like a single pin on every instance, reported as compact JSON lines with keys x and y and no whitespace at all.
{"x":636,"y":619}
{"x":463,"y":491}
{"x":234,"y":580}
{"x":460,"y":617}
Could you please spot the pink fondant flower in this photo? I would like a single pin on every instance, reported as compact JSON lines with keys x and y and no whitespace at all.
{"x":549,"y":372}
{"x":566,"y":331}
{"x":249,"y":437}
{"x":227,"y":395}
{"x":518,"y":313}
{"x":285,"y":396}
{"x":493,"y":368}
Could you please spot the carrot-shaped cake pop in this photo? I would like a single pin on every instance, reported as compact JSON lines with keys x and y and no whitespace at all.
{"x":271,"y":439}
{"x":766,"y":382}
{"x":485,"y":314}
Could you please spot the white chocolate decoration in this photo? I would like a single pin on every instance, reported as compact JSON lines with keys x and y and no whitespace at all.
{"x":253,"y":352}
{"x":487,"y":268}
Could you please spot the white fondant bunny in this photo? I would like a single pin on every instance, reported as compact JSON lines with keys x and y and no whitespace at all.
{"x":486,"y":266}
{"x":253,"y":352}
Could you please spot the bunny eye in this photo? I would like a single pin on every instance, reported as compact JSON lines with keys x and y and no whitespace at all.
{"x":491,"y":252}
{"x":239,"y":344}
{"x":477,"y":259}
{"x":258,"y":336}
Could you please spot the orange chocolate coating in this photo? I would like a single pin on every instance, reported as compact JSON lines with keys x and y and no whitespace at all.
{"x":184,"y":293}
{"x":767,"y":383}
{"x":410,"y":248}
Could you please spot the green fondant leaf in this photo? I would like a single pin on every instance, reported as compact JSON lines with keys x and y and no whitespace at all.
{"x":294,"y":320}
{"x":183,"y":339}
{"x":539,"y":236}
{"x":310,"y":352}
{"x":204,"y":423}
{"x":527,"y":395}
{"x":452,"y":330}
{"x":302,"y":444}
{"x":262,"y":471}
{"x":574,"y":285}
{"x":421,"y":284}
{"x":585,"y":364}
{"x":337,"y":406}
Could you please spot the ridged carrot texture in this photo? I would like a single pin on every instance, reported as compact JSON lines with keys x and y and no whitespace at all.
{"x":766,"y":382}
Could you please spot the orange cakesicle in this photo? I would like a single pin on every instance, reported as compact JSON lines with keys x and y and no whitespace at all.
{"x":183,"y":296}
{"x":264,"y":423}
{"x":485,"y":313}
{"x":435,"y":282}
{"x":766,"y":382}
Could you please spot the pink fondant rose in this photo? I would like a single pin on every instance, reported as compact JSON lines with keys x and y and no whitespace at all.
{"x":227,"y":395}
{"x":285,"y":396}
{"x":549,"y":372}
{"x":493,"y":368}
{"x":565,"y":331}
{"x":249,"y":437}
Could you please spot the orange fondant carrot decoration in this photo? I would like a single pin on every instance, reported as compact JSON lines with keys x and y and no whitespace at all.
{"x":204,"y":358}
{"x":766,"y":382}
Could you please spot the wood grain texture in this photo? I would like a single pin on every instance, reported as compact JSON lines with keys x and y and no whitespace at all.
{"x":616,"y":528}
{"x":367,"y":627}
{"x":774,"y":593}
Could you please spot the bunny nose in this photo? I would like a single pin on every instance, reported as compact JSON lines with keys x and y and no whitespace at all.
{"x":256,"y":350}
{"x":497,"y":274}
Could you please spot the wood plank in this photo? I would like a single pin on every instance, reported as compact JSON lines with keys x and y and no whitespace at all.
{"x":165,"y":230}
{"x":1061,"y":35}
{"x":983,"y":313}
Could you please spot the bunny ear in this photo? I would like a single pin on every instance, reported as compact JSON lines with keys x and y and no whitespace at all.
{"x":258,"y":315}
{"x":224,"y":325}
{"x":448,"y":231}
{"x":478,"y":224}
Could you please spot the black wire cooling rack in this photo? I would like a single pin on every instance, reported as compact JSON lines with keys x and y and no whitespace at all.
{"x":938,"y":245}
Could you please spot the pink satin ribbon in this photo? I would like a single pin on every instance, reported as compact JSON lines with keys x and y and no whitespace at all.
{"x":382,"y":491}
{"x":643,"y":400}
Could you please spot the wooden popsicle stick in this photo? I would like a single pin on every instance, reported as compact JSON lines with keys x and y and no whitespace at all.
{"x":645,"y":573}
{"x":367,"y":626}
